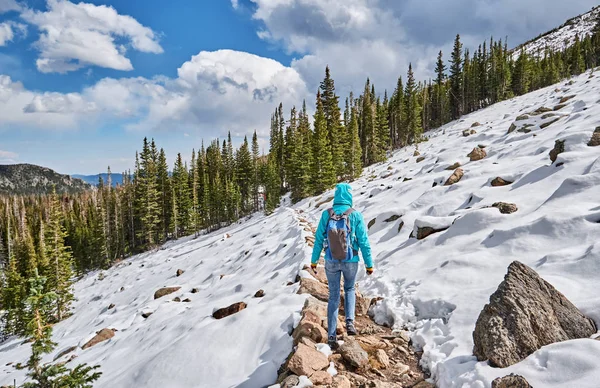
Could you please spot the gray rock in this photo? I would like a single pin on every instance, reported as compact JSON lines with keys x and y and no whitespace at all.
{"x":511,"y":381}
{"x":505,"y":208}
{"x":595,"y":140}
{"x":353,"y":353}
{"x":524,"y":314}
{"x":559,"y":147}
{"x":290,"y":381}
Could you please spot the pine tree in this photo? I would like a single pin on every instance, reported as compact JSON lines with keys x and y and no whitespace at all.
{"x":255,"y":170}
{"x":354,"y":151}
{"x":163,"y":183}
{"x":331,"y":111}
{"x":440,"y":115}
{"x":323,"y":175}
{"x":182,"y":198}
{"x":456,"y":97}
{"x":413,"y":125}
{"x":244,"y":175}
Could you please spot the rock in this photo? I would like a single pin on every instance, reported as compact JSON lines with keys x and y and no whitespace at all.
{"x":309,"y":329}
{"x":455,"y":177}
{"x":146,"y":314}
{"x":380,"y":384}
{"x":392,"y":218}
{"x":548,"y":115}
{"x":400,"y":226}
{"x":477,"y":154}
{"x":316,"y":307}
{"x":424,"y":384}
{"x":382,"y":358}
{"x":341,"y":382}
{"x":64,"y":352}
{"x":417,"y":153}
{"x":308,"y":342}
{"x":473,"y":132}
{"x":420,"y":159}
{"x":475,"y":124}
{"x":353,"y":353}
{"x":401,"y":369}
{"x":427,"y":231}
{"x":102,"y":335}
{"x":524,"y":314}
{"x":180,"y":272}
{"x":362,"y":304}
{"x":371,"y":223}
{"x":320,"y":275}
{"x":496,"y":182}
{"x":559,"y":107}
{"x":453,"y":167}
{"x":511,"y":381}
{"x":306,"y":361}
{"x":186,"y":300}
{"x":566,"y":98}
{"x":230,"y":310}
{"x":177,"y":299}
{"x":195,"y":290}
{"x":549,"y":123}
{"x":111,"y":306}
{"x":541,"y":110}
{"x":512,"y":128}
{"x":559,"y":147}
{"x":321,"y":378}
{"x":314,"y":288}
{"x":259,"y":294}
{"x":522,"y":117}
{"x":466,"y":133}
{"x":290,"y":381}
{"x":595,"y":140}
{"x":506,"y":208}
{"x":165,"y":291}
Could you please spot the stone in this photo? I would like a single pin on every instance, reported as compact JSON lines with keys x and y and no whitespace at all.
{"x":541,"y":110}
{"x":195,"y":290}
{"x":512,"y":128}
{"x":380,"y":384}
{"x":341,"y":382}
{"x":308,"y":342}
{"x":306,"y":361}
{"x":473,"y":132}
{"x":455,"y":177}
{"x":102,"y":335}
{"x":524,"y":314}
{"x":400,"y":226}
{"x":505,"y":208}
{"x":559,"y":147}
{"x":475,"y":124}
{"x":186,"y":300}
{"x":427,"y":231}
{"x":229,"y":310}
{"x":320,"y":275}
{"x":146,"y":314}
{"x":65,"y":352}
{"x":290,"y":381}
{"x":371,"y":223}
{"x":314,"y":288}
{"x":566,"y":98}
{"x":559,"y":107}
{"x":401,"y":369}
{"x":177,"y":299}
{"x":511,"y":381}
{"x":496,"y":182}
{"x":548,"y":115}
{"x":417,"y":153}
{"x":549,"y":123}
{"x":595,"y":140}
{"x":466,"y":133}
{"x":321,"y":378}
{"x":362,"y":304}
{"x":111,"y":306}
{"x":392,"y":218}
{"x":317,"y":307}
{"x":309,"y":329}
{"x":180,"y":272}
{"x":382,"y":358}
{"x":424,"y":384}
{"x":353,"y":353}
{"x":522,"y":117}
{"x":453,"y":167}
{"x":165,"y":291}
{"x":420,"y":159}
{"x":477,"y":154}
{"x":259,"y":294}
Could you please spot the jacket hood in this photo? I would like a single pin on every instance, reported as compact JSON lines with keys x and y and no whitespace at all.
{"x":343,"y":194}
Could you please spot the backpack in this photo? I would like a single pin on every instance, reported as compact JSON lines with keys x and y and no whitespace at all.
{"x":339,"y":234}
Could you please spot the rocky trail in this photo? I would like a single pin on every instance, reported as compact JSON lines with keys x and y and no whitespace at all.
{"x":377,"y":357}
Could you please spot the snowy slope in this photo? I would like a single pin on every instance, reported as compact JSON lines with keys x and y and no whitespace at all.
{"x":563,"y":36}
{"x":439,"y":285}
{"x":436,"y":286}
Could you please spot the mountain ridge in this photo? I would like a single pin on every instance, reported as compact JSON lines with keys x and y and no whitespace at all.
{"x":27,"y":179}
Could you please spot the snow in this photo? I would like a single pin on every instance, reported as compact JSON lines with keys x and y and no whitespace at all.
{"x":562,"y":37}
{"x":435,"y":287}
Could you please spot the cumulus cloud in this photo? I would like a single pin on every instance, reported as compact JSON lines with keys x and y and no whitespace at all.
{"x":378,"y":38}
{"x":8,"y":157}
{"x":9,"y":29}
{"x":214,"y":92}
{"x":9,"y":5}
{"x":73,"y":36}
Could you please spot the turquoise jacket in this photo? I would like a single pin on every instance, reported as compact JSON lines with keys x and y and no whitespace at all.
{"x":342,"y":201}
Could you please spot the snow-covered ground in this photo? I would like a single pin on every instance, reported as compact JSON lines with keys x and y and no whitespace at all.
{"x":436,"y":286}
{"x":564,"y":36}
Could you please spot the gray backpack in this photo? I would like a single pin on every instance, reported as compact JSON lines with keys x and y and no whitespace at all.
{"x":339,"y":236}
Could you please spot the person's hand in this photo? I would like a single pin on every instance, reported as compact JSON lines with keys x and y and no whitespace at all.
{"x":369,"y":271}
{"x":313,"y":266}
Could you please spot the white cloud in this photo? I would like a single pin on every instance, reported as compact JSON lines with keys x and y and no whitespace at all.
{"x":213,"y":93}
{"x":9,"y":5}
{"x":8,"y":157}
{"x":235,"y":4}
{"x":9,"y":29}
{"x":80,"y":35}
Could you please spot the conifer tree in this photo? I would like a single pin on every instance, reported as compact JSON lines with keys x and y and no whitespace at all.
{"x":165,"y":196}
{"x":244,"y":175}
{"x":354,"y":151}
{"x":456,"y":97}
{"x":182,"y":198}
{"x":255,"y":170}
{"x":413,"y":125}
{"x":323,"y":175}
{"x":331,"y":110}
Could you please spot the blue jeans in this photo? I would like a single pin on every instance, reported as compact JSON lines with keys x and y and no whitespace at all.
{"x":334,"y":270}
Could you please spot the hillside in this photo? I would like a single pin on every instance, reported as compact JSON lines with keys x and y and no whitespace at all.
{"x":563,"y":36}
{"x":93,"y":180}
{"x":435,"y":287}
{"x":31,"y":179}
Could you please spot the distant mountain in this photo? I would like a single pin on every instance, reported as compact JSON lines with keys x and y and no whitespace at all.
{"x":31,"y":179}
{"x":117,"y":179}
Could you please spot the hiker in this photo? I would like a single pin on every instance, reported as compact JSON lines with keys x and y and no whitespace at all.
{"x":341,"y":232}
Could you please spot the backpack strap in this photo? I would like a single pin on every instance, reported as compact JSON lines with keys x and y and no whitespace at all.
{"x":346,"y":216}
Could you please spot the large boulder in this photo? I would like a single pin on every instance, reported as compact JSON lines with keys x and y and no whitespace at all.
{"x":477,"y":154}
{"x":229,"y":310}
{"x":511,"y":381}
{"x":165,"y":291}
{"x":340,"y":381}
{"x":353,"y":353}
{"x":455,"y":177}
{"x":524,"y":314}
{"x":310,"y":329}
{"x":306,"y":361}
{"x":314,"y":288}
{"x":595,"y":140}
{"x":101,"y":336}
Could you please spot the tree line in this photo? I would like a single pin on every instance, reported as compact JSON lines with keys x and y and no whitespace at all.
{"x":59,"y":237}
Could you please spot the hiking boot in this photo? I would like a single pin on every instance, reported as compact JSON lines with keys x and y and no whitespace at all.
{"x":333,"y":344}
{"x":350,"y":329}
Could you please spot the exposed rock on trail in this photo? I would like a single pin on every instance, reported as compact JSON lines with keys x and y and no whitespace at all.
{"x":102,"y":335}
{"x":165,"y":291}
{"x":524,"y":314}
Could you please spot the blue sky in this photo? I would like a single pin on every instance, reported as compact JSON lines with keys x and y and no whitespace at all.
{"x":81,"y":84}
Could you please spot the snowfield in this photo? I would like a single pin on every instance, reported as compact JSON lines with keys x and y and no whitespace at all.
{"x":435,"y":287}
